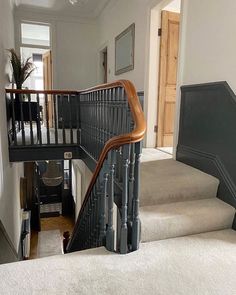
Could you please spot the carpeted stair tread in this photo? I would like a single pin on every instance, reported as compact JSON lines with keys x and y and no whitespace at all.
{"x":193,"y":265}
{"x":184,"y":218}
{"x":169,"y":181}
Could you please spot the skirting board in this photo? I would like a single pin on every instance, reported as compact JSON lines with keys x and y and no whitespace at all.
{"x":211,"y":164}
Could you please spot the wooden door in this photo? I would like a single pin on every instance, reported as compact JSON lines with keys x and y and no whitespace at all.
{"x":33,"y":201}
{"x":47,"y":82}
{"x":167,"y":77}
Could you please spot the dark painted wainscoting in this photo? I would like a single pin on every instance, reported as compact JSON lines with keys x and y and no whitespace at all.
{"x":207,"y":136}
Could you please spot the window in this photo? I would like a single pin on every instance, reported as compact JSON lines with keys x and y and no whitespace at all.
{"x":36,"y":79}
{"x":35,"y":42}
{"x":34,"y":34}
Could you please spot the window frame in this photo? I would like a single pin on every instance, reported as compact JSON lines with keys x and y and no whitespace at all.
{"x":21,"y":44}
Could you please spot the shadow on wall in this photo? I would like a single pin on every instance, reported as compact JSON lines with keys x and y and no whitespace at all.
{"x":1,"y":169}
{"x":7,"y":251}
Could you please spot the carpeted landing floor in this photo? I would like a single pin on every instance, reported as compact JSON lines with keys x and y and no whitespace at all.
{"x":49,"y":243}
{"x":203,"y":264}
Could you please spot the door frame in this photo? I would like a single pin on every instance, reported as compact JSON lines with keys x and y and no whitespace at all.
{"x":100,"y":73}
{"x":162,"y":84}
{"x":105,"y":66}
{"x":151,"y":84}
{"x":48,"y":75}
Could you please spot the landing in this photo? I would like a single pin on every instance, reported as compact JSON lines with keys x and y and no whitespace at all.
{"x":151,"y":154}
{"x":200,"y":264}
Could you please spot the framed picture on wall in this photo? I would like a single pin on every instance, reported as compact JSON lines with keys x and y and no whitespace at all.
{"x":124,"y":51}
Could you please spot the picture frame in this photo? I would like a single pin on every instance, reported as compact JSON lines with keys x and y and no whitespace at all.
{"x":124,"y":50}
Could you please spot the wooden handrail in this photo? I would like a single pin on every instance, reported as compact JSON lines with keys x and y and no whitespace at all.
{"x":135,"y":136}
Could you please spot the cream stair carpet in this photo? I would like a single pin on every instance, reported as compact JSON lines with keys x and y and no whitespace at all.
{"x":49,"y":243}
{"x":178,"y":200}
{"x":194,"y":265}
{"x":150,"y":154}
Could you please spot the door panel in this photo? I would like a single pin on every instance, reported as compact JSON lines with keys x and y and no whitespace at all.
{"x":167,"y":77}
{"x":172,"y":50}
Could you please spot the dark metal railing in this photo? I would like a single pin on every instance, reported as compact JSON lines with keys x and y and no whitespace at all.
{"x":38,"y":118}
{"x":107,"y":124}
{"x":104,"y":114}
{"x":112,"y":127}
{"x":110,"y":216}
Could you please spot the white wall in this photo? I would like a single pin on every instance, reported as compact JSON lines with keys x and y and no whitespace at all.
{"x":10,"y":212}
{"x":209,"y":52}
{"x":173,"y":6}
{"x":82,"y":177}
{"x":74,"y":53}
{"x":76,"y":59}
{"x":116,"y":17}
{"x":146,"y":14}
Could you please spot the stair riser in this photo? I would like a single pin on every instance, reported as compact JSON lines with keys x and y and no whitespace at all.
{"x":163,"y":197}
{"x":185,"y":218}
{"x":178,"y":228}
{"x":169,"y":181}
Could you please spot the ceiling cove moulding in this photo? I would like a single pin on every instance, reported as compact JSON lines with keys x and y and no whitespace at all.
{"x":85,"y":9}
{"x":40,"y":16}
{"x":78,"y":2}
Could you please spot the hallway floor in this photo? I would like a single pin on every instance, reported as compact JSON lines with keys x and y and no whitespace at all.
{"x":193,"y":265}
{"x":47,"y":224}
{"x":168,"y":150}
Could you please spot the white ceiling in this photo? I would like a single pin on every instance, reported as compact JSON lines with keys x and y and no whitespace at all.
{"x":84,"y":8}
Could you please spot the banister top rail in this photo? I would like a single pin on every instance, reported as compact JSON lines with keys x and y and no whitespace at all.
{"x":135,"y":135}
{"x":29,"y":91}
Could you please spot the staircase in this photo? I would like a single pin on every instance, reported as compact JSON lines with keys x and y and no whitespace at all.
{"x":177,"y":208}
{"x":104,"y":127}
{"x":178,"y":200}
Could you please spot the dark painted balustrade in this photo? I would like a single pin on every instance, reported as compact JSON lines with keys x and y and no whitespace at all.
{"x":104,"y":127}
{"x":116,"y":187}
{"x":39,"y":119}
{"x":104,"y":114}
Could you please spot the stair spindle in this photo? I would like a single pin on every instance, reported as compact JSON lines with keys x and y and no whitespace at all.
{"x":124,"y":206}
{"x":136,"y":221}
